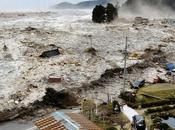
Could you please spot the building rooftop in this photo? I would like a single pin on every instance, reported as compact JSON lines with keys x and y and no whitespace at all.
{"x":49,"y":123}
{"x":65,"y":121}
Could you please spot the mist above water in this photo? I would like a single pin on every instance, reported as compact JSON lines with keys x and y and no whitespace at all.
{"x":147,"y":8}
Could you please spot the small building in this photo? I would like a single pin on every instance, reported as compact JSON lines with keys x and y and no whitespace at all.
{"x":65,"y":121}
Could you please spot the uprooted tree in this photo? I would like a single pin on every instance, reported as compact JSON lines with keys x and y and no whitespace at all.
{"x":98,"y":14}
{"x":102,"y":14}
{"x":111,"y":12}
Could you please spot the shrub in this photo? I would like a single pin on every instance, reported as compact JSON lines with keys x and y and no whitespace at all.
{"x":127,"y":96}
{"x":159,"y":109}
{"x":111,"y":128}
{"x":158,"y":103}
{"x":163,"y":115}
{"x":157,"y":120}
{"x":166,"y":107}
{"x":163,"y":126}
{"x":132,"y":105}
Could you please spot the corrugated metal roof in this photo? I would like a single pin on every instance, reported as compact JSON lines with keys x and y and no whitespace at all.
{"x":49,"y":123}
{"x":65,"y":121}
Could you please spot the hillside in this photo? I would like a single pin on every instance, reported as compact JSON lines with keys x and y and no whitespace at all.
{"x":84,"y":4}
{"x":65,"y":5}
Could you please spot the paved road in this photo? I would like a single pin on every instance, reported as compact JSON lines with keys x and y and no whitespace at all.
{"x":15,"y":125}
{"x":129,"y":112}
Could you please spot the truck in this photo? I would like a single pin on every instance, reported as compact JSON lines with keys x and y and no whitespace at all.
{"x":138,"y":123}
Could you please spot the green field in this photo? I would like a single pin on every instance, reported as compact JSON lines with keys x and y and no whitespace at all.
{"x":156,"y":92}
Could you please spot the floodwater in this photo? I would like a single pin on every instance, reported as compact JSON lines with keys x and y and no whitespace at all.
{"x":170,"y":121}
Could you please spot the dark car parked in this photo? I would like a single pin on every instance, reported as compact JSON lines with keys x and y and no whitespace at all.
{"x":138,"y":123}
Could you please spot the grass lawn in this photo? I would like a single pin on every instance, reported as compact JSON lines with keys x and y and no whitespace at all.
{"x":162,"y":91}
{"x":124,"y":119}
{"x":121,"y":118}
{"x":153,"y":93}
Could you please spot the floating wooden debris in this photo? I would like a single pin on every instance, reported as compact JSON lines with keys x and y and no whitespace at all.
{"x":50,"y":53}
{"x":52,"y":79}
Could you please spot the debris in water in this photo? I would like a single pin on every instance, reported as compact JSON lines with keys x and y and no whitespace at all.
{"x":91,"y":51}
{"x":53,"y":79}
{"x":51,"y":53}
{"x":140,"y":20}
{"x":5,"y":48}
{"x":28,"y":29}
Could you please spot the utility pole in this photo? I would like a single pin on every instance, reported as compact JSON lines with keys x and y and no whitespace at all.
{"x":96,"y":108}
{"x":90,"y":37}
{"x":108,"y":97}
{"x":91,"y":40}
{"x":125,"y":58}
